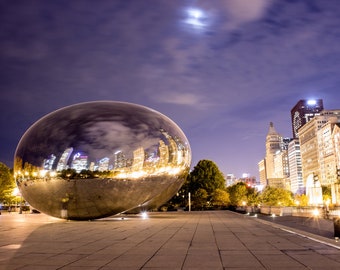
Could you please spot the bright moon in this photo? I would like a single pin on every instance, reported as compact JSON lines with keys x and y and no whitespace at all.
{"x":196,"y":17}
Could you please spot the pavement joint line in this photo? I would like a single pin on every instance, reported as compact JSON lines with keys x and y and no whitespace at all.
{"x":300,"y":233}
{"x":311,"y":238}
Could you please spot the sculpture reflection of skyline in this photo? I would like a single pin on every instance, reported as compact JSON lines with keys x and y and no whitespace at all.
{"x":170,"y":156}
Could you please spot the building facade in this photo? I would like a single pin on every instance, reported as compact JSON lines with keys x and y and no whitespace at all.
{"x":295,"y":167}
{"x":303,"y":112}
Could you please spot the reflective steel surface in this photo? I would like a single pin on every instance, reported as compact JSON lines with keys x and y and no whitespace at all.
{"x":96,"y":159}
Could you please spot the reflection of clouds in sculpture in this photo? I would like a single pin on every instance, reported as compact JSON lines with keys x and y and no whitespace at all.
{"x":130,"y":142}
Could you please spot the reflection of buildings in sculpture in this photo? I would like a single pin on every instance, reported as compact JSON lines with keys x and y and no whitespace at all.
{"x":178,"y":151}
{"x":93,"y":167}
{"x":173,"y":149}
{"x":151,"y":159}
{"x":103,"y":164}
{"x":120,"y":160}
{"x":48,"y":163}
{"x":182,"y":153}
{"x":62,"y":164}
{"x":163,"y":154}
{"x":138,"y":159}
{"x":79,"y":162}
{"x":173,"y":152}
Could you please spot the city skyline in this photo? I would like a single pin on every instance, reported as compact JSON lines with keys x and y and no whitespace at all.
{"x":222,"y":70}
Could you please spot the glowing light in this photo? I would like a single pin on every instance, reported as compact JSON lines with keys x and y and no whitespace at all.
{"x":311,"y":102}
{"x":196,"y":18}
{"x":145,"y":215}
{"x":316,"y":213}
{"x":42,"y":173}
{"x":16,"y":192}
{"x":195,"y":13}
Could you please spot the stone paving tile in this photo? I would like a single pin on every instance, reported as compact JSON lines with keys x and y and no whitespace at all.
{"x":240,"y":259}
{"x":181,"y":240}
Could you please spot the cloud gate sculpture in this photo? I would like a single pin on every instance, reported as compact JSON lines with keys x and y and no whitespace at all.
{"x":96,"y":159}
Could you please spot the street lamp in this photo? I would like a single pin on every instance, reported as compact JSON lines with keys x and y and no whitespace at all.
{"x":16,"y":192}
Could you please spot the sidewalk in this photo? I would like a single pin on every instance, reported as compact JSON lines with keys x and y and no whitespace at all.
{"x":179,"y":240}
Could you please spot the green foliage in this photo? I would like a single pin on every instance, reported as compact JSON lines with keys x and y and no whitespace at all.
{"x":301,"y":200}
{"x":253,"y":197}
{"x":7,"y":184}
{"x":220,"y":198}
{"x":273,"y":196}
{"x":202,"y":182}
{"x":205,"y":175}
{"x":238,"y":194}
{"x":199,"y":199}
{"x":326,"y":193}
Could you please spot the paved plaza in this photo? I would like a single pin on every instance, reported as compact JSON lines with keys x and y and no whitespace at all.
{"x":178,"y":240}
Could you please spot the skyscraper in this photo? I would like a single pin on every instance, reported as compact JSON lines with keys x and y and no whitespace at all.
{"x":273,"y":146}
{"x":303,"y":112}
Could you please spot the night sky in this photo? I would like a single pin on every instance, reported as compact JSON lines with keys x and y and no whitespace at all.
{"x":221,"y":69}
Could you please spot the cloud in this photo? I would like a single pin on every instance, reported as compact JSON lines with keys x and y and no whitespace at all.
{"x":244,"y":11}
{"x":180,"y":98}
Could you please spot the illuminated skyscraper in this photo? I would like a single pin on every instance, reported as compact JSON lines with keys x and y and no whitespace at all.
{"x":295,"y":167}
{"x":79,"y":162}
{"x":103,"y":164}
{"x":273,"y":146}
{"x":120,"y":160}
{"x":317,"y":149}
{"x":163,"y":153}
{"x":48,"y":163}
{"x":62,"y":164}
{"x":138,"y":159}
{"x":303,"y":112}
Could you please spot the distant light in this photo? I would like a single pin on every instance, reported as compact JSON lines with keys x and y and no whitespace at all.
{"x":195,"y":13}
{"x":197,"y":18}
{"x":316,"y":213}
{"x":311,"y":102}
{"x":144,"y":215}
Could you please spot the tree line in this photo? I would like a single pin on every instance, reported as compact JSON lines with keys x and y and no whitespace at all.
{"x":207,"y":188}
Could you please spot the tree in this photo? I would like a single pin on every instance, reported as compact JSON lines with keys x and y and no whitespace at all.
{"x":273,"y":196}
{"x":7,"y":184}
{"x":220,"y":198}
{"x":253,"y":197}
{"x":238,"y":194}
{"x":205,"y":175}
{"x":326,"y":193}
{"x":301,"y":200}
{"x":199,"y":199}
{"x":201,"y":182}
